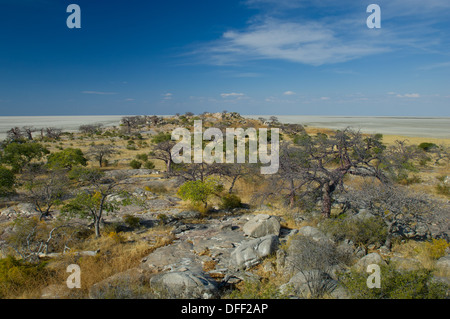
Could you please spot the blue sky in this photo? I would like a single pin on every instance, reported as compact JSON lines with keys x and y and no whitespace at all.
{"x":299,"y":57}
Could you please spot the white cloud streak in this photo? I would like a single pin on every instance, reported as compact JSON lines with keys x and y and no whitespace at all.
{"x":98,"y":93}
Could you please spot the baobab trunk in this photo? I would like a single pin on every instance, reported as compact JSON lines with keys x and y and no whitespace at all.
{"x":326,"y":200}
{"x":292,"y":194}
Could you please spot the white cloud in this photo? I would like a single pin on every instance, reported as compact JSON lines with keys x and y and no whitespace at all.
{"x":324,"y":98}
{"x":289,"y":93}
{"x":308,"y":42}
{"x":167,"y":96}
{"x":435,"y":66}
{"x":98,"y":92}
{"x":409,"y":95}
{"x":225,"y":95}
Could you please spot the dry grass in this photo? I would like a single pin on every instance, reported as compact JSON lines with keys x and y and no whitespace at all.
{"x":114,"y":256}
{"x":425,"y":252}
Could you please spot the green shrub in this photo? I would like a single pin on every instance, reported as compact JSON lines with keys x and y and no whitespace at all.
{"x":135,"y":164}
{"x":142,"y":157}
{"x":160,"y":189}
{"x":443,"y":189}
{"x":230,"y":201}
{"x":427,"y":146}
{"x":7,"y":181}
{"x":199,"y":192}
{"x":149,"y":165}
{"x":255,"y":289}
{"x":362,"y":232}
{"x":67,"y":158}
{"x":131,"y":221}
{"x":395,"y":284}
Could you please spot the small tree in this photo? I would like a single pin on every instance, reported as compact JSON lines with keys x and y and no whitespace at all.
{"x":53,"y":133}
{"x":18,"y":155}
{"x":162,"y":149}
{"x":101,"y":152}
{"x":67,"y":158}
{"x":45,"y":189}
{"x":199,"y":192}
{"x":7,"y":181}
{"x":93,"y":201}
{"x":15,"y":134}
{"x":90,"y":128}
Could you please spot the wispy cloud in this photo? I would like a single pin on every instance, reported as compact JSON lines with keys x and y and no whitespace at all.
{"x":283,"y":30}
{"x":226,"y":95}
{"x":167,"y":96}
{"x":309,"y":42}
{"x":435,"y":66}
{"x":98,"y":92}
{"x":409,"y":95}
{"x":289,"y":93}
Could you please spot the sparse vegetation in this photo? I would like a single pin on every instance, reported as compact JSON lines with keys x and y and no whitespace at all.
{"x":72,"y":198}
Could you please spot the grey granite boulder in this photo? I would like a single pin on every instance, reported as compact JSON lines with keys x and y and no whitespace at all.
{"x":250,"y":253}
{"x":184,"y":284}
{"x":369,"y":259}
{"x":262,"y":225}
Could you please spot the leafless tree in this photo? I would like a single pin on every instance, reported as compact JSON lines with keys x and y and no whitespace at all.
{"x":235,"y":171}
{"x":163,"y":151}
{"x":15,"y":134}
{"x":399,"y":207}
{"x":45,"y":188}
{"x":31,"y":238}
{"x":101,"y":152}
{"x":153,"y":120}
{"x":293,"y":129}
{"x":53,"y":133}
{"x":318,"y":164}
{"x":90,"y":128}
{"x":132,"y":122}
{"x":29,"y":130}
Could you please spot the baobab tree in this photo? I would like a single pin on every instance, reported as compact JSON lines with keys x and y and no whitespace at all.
{"x":316,"y":165}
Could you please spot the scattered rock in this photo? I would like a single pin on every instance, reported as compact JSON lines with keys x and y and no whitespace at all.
{"x":250,"y":253}
{"x":443,"y":265}
{"x":185,"y":284}
{"x":188,"y":214}
{"x":309,"y":283}
{"x":369,"y":259}
{"x":172,"y":257}
{"x":313,"y":232}
{"x":262,"y":225}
